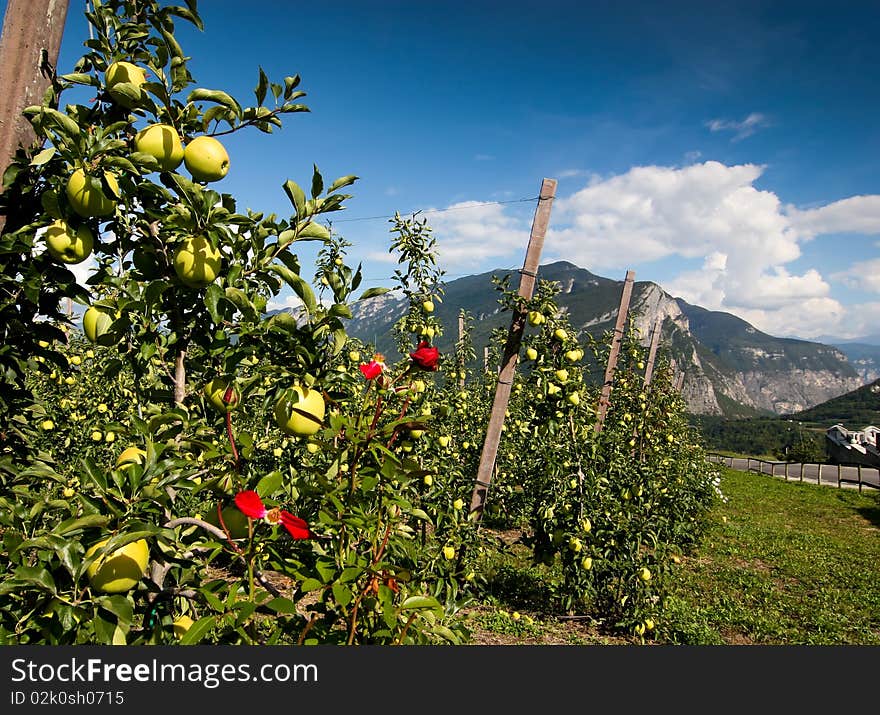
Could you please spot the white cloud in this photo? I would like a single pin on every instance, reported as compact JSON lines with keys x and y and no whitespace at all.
{"x":471,"y":232}
{"x":284,"y":302}
{"x":744,"y":237}
{"x":741,"y":129}
{"x":864,"y":275}
{"x":857,"y":214}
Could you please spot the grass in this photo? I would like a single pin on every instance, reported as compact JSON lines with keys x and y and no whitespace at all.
{"x":782,"y":564}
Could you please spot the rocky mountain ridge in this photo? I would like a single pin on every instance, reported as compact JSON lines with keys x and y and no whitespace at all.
{"x":730,"y":367}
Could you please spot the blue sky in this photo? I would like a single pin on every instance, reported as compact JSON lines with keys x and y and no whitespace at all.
{"x":729,"y":153}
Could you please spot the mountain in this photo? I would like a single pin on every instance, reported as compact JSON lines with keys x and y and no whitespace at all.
{"x":731,"y":368}
{"x":864,"y":357}
{"x":854,"y":410}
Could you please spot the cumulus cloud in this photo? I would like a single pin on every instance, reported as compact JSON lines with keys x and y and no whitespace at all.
{"x":857,"y":214}
{"x":864,"y":275}
{"x":711,"y":213}
{"x":471,"y":232}
{"x":741,"y":129}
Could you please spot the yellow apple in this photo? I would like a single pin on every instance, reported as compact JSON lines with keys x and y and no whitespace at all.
{"x":90,"y":201}
{"x":288,"y":412}
{"x":121,"y":569}
{"x":162,"y":142}
{"x":215,"y":391}
{"x":197,"y":262}
{"x":128,"y":74}
{"x":645,"y":574}
{"x":129,"y":456}
{"x":531,"y":354}
{"x":181,"y":625}
{"x":448,"y":553}
{"x":69,"y":246}
{"x":535,"y":317}
{"x":206,"y":159}
{"x":428,"y":306}
{"x":560,"y":334}
{"x":96,"y":322}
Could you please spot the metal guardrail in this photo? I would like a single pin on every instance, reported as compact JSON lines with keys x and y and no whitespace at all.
{"x":794,"y":471}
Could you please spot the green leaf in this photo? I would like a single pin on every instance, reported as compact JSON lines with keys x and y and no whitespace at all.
{"x":269,"y":484}
{"x":296,"y":195}
{"x":213,"y":295}
{"x":39,"y":577}
{"x":83,"y":522}
{"x":313,"y":231}
{"x":342,"y":594}
{"x":419,"y":603}
{"x":326,"y":570}
{"x":317,"y":182}
{"x":310,"y":584}
{"x":217,"y":96}
{"x":342,"y":181}
{"x":373,"y":292}
{"x":350,"y":573}
{"x":197,"y":631}
{"x":65,"y":123}
{"x":282,"y":605}
{"x":80,"y":78}
{"x":262,"y":86}
{"x":43,"y":157}
{"x":119,"y":606}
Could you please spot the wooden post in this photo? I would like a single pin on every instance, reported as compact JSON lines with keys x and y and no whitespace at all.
{"x":786,"y":471}
{"x":486,"y":359}
{"x":652,"y":351}
{"x":802,"y":471}
{"x":29,"y":46}
{"x":838,"y":475}
{"x":859,"y":467}
{"x":615,"y":350}
{"x":528,"y":276}
{"x":679,"y":381}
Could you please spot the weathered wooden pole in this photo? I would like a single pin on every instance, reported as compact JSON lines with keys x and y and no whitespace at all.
{"x":615,"y":349}
{"x":652,"y":351}
{"x":29,"y":46}
{"x":528,"y":276}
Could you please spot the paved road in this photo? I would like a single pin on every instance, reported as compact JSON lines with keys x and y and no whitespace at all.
{"x":848,"y":476}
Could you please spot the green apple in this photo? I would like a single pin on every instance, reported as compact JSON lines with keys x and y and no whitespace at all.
{"x":131,"y":77}
{"x":574,"y":398}
{"x":197,"y":262}
{"x":69,"y":246}
{"x":312,"y":447}
{"x":288,"y":412}
{"x":96,"y":322}
{"x":206,"y":159}
{"x":162,"y":142}
{"x":90,"y":201}
{"x":215,"y":391}
{"x":645,"y":574}
{"x":121,"y":569}
{"x":444,"y":440}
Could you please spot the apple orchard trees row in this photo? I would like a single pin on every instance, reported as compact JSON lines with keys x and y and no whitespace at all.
{"x":193,"y":470}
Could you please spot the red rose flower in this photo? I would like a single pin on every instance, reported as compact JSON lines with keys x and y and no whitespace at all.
{"x":372,"y":369}
{"x":426,"y":356}
{"x":250,"y":504}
